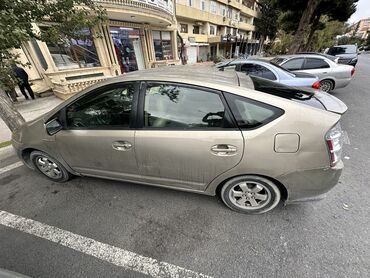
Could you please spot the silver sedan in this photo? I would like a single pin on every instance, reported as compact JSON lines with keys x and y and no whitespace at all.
{"x":332,"y":75}
{"x":266,"y":69}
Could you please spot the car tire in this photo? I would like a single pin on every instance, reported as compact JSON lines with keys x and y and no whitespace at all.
{"x":250,"y":194}
{"x":326,"y":85}
{"x":49,"y":166}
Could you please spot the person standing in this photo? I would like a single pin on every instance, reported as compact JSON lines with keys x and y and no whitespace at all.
{"x":23,"y":81}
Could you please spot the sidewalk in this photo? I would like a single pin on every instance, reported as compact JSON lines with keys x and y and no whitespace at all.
{"x":29,"y":109}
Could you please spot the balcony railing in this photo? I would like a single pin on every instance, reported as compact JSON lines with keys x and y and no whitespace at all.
{"x":159,"y":5}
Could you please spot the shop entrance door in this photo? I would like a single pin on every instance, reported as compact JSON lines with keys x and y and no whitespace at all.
{"x":128,"y":48}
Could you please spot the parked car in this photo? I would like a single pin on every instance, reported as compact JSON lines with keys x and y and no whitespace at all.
{"x":194,"y":130}
{"x":330,"y":57}
{"x":347,"y":54}
{"x":268,"y":70}
{"x":331,"y":75}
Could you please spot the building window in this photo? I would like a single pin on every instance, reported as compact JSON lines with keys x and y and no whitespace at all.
{"x":212,"y":30}
{"x":162,"y":45}
{"x":213,"y":7}
{"x":195,"y":29}
{"x":229,"y":13}
{"x":222,"y":10}
{"x":75,"y":53}
{"x":183,"y":28}
{"x":203,"y":5}
{"x":237,"y":16}
{"x":191,"y":3}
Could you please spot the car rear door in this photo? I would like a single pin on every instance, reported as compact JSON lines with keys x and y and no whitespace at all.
{"x":316,"y":66}
{"x":186,"y":136}
{"x":98,"y":138}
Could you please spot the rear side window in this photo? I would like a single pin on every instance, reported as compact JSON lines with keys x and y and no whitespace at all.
{"x":250,"y":113}
{"x":315,"y":63}
{"x":294,"y":64}
{"x":258,"y":70}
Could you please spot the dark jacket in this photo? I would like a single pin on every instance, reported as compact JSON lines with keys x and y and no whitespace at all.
{"x":20,"y":73}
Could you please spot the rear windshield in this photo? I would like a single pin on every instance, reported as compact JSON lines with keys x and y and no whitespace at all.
{"x":344,"y":49}
{"x":277,"y":60}
{"x":280,"y":90}
{"x":283,"y":69}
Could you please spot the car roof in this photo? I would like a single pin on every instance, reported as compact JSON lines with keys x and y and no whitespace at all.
{"x":181,"y":74}
{"x":289,"y":56}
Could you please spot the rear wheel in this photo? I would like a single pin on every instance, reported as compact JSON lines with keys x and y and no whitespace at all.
{"x":326,"y":85}
{"x":250,"y":194}
{"x":49,"y":167}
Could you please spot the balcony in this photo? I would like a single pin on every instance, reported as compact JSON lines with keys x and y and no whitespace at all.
{"x":246,"y":26}
{"x":157,"y":12}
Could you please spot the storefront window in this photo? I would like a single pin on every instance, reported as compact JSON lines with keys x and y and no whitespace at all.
{"x":162,"y":45}
{"x":127,"y":45}
{"x":75,"y":53}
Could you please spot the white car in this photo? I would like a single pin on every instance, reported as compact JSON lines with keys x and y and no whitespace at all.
{"x":331,"y":75}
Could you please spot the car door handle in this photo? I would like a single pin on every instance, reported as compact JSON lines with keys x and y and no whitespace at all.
{"x":122,"y":145}
{"x":223,"y":150}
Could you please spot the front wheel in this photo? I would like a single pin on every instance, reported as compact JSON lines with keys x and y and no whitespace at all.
{"x":49,"y":167}
{"x":250,"y":194}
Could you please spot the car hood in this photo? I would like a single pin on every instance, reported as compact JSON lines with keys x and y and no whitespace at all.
{"x":331,"y":103}
{"x":348,"y":56}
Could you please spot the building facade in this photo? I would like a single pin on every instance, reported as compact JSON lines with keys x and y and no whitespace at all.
{"x":141,"y":34}
{"x":361,"y":28}
{"x":211,"y":28}
{"x":137,"y":35}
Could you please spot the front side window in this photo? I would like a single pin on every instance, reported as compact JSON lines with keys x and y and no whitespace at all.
{"x":250,"y":113}
{"x":75,"y":53}
{"x":222,"y":10}
{"x":162,"y":45}
{"x":212,"y":30}
{"x":294,"y":64}
{"x":178,"y":107}
{"x":314,"y":63}
{"x":109,"y":109}
{"x":258,"y":70}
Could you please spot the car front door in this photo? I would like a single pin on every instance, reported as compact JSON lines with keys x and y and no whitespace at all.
{"x":98,"y":138}
{"x":187,"y":136}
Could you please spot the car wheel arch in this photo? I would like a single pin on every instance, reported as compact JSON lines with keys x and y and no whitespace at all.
{"x":26,"y":157}
{"x":282,"y":187}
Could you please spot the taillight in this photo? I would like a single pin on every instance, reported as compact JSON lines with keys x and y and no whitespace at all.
{"x":334,"y":139}
{"x":353,"y":71}
{"x":316,"y":85}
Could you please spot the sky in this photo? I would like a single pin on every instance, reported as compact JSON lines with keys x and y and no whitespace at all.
{"x":363,"y":11}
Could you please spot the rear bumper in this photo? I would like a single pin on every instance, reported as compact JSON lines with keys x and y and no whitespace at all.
{"x":310,"y":185}
{"x":341,"y":83}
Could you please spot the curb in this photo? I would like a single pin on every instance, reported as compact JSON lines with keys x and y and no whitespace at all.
{"x":7,"y":152}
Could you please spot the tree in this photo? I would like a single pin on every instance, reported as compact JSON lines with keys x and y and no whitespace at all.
{"x":302,"y":17}
{"x":64,"y":19}
{"x":266,"y":23}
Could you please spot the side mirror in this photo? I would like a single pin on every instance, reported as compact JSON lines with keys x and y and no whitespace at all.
{"x":53,"y":126}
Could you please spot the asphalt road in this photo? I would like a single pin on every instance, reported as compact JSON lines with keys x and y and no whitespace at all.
{"x":329,"y":238}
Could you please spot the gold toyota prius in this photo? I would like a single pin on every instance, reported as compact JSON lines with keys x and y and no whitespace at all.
{"x":254,"y":142}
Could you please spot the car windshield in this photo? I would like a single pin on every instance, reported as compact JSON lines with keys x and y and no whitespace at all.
{"x":345,"y":49}
{"x":277,"y":89}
